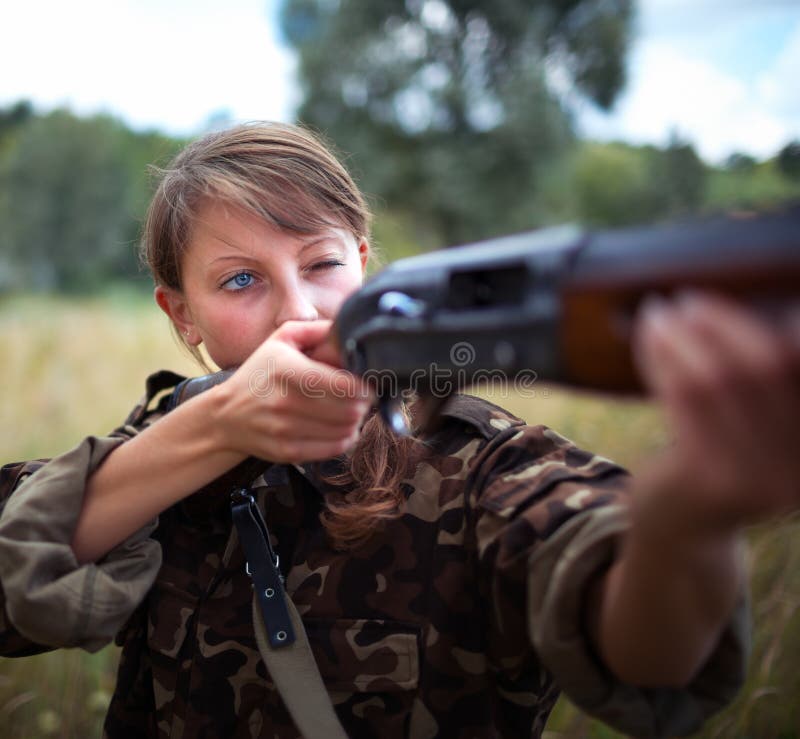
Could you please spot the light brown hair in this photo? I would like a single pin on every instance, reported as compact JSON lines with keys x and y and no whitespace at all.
{"x":288,"y":177}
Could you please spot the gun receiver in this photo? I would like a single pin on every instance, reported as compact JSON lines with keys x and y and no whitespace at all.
{"x":558,"y":302}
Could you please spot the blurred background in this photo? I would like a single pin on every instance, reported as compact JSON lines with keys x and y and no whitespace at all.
{"x":461,"y":119}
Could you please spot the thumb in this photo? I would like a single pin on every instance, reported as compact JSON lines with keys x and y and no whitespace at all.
{"x":305,"y":336}
{"x":315,"y":339}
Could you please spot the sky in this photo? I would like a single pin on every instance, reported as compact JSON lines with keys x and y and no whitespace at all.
{"x":721,"y":73}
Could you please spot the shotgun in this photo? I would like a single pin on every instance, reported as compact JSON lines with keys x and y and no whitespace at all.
{"x":555,"y":304}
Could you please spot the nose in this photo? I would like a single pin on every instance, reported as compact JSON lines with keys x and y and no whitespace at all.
{"x":295,"y":304}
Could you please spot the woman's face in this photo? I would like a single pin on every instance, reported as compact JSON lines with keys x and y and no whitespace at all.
{"x":242,"y":278}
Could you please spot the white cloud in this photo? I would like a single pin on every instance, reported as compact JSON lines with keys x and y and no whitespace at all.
{"x":166,"y":65}
{"x":671,"y":90}
{"x":171,"y":64}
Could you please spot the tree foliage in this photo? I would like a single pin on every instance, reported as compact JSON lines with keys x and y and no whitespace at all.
{"x":448,"y":107}
{"x":14,"y":116}
{"x":789,"y":160}
{"x":618,"y":184}
{"x":72,"y":191}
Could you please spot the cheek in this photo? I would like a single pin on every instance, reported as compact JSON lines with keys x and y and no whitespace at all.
{"x":233,"y":332}
{"x":344,"y":284}
{"x":331,"y":295}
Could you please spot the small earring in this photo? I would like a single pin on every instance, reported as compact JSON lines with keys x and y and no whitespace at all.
{"x":186,"y":333}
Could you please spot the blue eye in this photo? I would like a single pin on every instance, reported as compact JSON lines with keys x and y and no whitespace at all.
{"x":238,"y":281}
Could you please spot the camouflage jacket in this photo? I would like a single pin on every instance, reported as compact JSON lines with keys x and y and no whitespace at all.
{"x":462,"y":618}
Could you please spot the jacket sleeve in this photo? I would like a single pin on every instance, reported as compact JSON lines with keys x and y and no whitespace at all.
{"x":48,"y":598}
{"x":12,"y":643}
{"x":549,"y":516}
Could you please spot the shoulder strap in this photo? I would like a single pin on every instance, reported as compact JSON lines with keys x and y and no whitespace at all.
{"x":279,"y":630}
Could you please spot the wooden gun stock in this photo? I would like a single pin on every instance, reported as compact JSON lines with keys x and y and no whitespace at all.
{"x":752,"y":258}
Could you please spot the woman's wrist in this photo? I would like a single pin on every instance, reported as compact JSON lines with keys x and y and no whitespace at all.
{"x":216,"y":407}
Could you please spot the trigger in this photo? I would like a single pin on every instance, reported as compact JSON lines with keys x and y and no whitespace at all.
{"x":391,"y":410}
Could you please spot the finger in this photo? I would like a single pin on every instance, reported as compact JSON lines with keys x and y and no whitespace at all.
{"x":664,"y":350}
{"x":279,"y":431}
{"x":734,"y":430}
{"x":330,"y":411}
{"x":319,"y":380}
{"x":307,"y":396}
{"x":284,"y":372}
{"x":755,"y":357}
{"x":716,"y":342}
{"x":304,"y":336}
{"x":682,"y":370}
{"x":751,"y":343}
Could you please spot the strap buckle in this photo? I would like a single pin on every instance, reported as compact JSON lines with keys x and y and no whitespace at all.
{"x":267,"y":578}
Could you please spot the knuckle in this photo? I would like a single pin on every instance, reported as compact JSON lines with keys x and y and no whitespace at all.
{"x":281,"y":405}
{"x":287,"y":451}
{"x":279,"y":428}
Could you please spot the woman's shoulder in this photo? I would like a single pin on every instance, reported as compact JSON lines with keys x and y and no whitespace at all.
{"x":479,"y":415}
{"x":490,"y":440}
{"x":470,"y":415}
{"x":512,"y":456}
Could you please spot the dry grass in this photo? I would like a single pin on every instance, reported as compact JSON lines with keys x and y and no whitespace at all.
{"x":76,"y":368}
{"x":72,"y":368}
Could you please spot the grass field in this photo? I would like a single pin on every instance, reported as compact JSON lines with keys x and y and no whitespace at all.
{"x":72,"y":368}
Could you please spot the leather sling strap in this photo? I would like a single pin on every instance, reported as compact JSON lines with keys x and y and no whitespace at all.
{"x":279,"y":630}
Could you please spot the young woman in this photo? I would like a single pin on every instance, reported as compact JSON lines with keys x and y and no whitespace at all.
{"x":450,"y":585}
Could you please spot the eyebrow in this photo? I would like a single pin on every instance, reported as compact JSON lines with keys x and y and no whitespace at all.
{"x":238,"y":257}
{"x":319,"y":238}
{"x":242,"y":256}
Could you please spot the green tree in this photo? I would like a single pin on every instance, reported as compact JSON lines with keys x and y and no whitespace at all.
{"x":739,"y":162}
{"x":789,"y":160}
{"x":70,"y":203}
{"x":617,"y":185}
{"x":447,"y":106}
{"x":683,"y":176}
{"x":13,"y":116}
{"x":62,"y":186}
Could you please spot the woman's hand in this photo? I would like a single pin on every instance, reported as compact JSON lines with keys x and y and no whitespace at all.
{"x":290,"y":401}
{"x":729,"y":385}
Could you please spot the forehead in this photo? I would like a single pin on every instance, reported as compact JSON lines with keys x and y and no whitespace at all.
{"x":220,"y":227}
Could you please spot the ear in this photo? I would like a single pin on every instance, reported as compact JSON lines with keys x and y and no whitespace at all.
{"x":363,"y":255}
{"x":174,"y":304}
